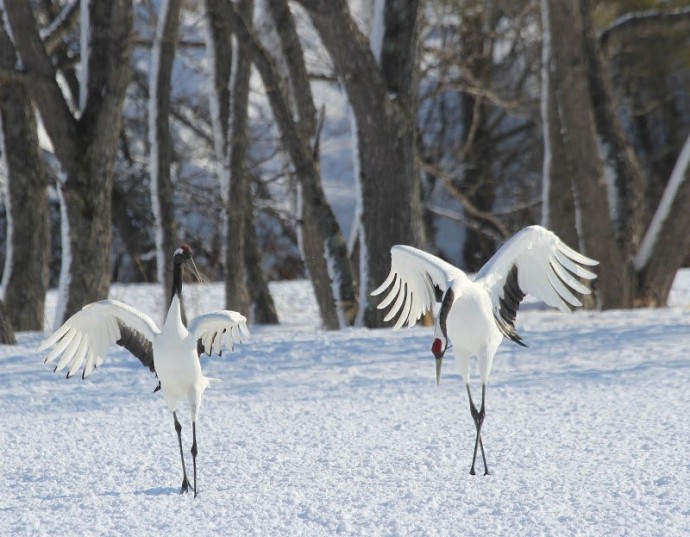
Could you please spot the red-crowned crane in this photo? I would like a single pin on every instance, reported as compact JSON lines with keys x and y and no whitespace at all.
{"x":476,"y":314}
{"x":172,"y":353}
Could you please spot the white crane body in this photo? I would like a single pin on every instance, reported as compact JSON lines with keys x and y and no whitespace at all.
{"x":475,"y":315}
{"x":173,"y":353}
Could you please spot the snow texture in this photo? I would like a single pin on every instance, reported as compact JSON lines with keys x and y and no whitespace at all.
{"x":346,"y":433}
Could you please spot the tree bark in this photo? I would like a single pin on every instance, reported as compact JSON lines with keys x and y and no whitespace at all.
{"x":382,"y":99}
{"x":321,"y":239}
{"x":667,"y":242}
{"x":86,"y":147}
{"x":559,"y":204}
{"x":320,"y":233}
{"x":25,"y":279}
{"x":618,"y":156}
{"x":161,"y":157}
{"x":576,"y":116}
{"x":244,"y":287}
{"x":6,"y":331}
{"x":236,"y":292}
{"x":476,"y":179}
{"x":264,"y":311}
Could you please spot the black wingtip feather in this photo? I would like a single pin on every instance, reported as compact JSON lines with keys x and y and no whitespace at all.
{"x":508,"y":307}
{"x":438,"y":293}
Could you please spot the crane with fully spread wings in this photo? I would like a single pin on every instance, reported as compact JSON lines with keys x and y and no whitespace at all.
{"x":172,"y":352}
{"x":476,"y":314}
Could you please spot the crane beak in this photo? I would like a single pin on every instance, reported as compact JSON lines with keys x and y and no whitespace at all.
{"x":438,"y":350}
{"x":195,"y":271}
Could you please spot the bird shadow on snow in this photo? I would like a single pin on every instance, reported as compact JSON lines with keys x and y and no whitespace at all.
{"x":156,"y":491}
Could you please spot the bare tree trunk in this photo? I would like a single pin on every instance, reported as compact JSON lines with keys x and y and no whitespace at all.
{"x":6,"y":332}
{"x":572,"y":97}
{"x":619,"y":157}
{"x":320,"y":232}
{"x":382,"y":98}
{"x":558,"y":205}
{"x":162,"y":189}
{"x":86,"y":147}
{"x":477,"y":183}
{"x":667,"y":241}
{"x":236,"y":292}
{"x":264,"y":311}
{"x":243,"y":287}
{"x":25,"y":278}
{"x":321,"y":236}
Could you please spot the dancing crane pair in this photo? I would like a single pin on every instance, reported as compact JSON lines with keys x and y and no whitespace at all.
{"x":472,"y":314}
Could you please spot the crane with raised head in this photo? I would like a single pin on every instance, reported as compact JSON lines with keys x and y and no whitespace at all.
{"x":172,"y":352}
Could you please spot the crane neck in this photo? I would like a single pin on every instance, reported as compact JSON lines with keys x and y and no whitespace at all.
{"x":176,"y":280}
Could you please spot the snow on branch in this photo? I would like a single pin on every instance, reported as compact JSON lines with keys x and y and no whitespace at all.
{"x":680,"y":174}
{"x":646,"y":20}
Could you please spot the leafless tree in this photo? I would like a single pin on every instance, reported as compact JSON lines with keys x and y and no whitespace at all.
{"x":160,"y":141}
{"x":25,"y":278}
{"x":637,"y":265}
{"x":84,"y":139}
{"x":323,"y":247}
{"x":382,"y":93}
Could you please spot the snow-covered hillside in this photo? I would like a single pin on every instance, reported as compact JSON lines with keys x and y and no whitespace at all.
{"x":346,"y":433}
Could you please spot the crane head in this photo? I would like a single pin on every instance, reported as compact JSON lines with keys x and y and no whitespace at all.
{"x":183,"y":255}
{"x":438,"y":349}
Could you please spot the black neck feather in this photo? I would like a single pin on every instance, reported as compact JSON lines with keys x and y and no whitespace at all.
{"x":176,"y":280}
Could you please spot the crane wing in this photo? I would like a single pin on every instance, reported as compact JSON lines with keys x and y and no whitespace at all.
{"x":416,"y":280}
{"x":83,"y":340}
{"x":537,"y":262}
{"x":210,"y":329}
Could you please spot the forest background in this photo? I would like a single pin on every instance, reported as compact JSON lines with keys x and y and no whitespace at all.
{"x":303,"y":139}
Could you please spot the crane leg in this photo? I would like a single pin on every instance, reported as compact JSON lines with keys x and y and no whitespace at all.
{"x":194,"y":452}
{"x":478,"y":417}
{"x":185,"y":481}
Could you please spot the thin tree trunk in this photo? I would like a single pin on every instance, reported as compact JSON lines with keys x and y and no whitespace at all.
{"x":382,"y":99}
{"x":476,"y":183}
{"x":247,"y":286}
{"x":264,"y":311}
{"x":558,"y":205}
{"x":318,"y":222}
{"x":321,"y":239}
{"x":162,"y":189}
{"x":6,"y":332}
{"x":236,"y":292}
{"x":667,"y":241}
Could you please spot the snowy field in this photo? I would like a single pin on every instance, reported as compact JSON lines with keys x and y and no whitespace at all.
{"x":346,"y":433}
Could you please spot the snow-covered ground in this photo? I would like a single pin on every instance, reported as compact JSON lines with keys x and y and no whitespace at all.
{"x":328,"y":433}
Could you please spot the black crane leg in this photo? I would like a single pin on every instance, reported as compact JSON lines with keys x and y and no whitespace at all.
{"x":194,"y":452}
{"x":478,"y":417}
{"x":185,"y":481}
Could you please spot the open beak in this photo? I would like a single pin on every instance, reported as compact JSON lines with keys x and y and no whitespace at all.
{"x":195,"y":271}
